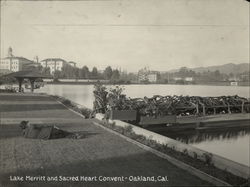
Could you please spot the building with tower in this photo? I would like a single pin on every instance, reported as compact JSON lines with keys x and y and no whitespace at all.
{"x":13,"y":63}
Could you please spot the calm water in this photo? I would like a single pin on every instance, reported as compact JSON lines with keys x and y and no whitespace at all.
{"x":82,"y":94}
{"x":230,"y":143}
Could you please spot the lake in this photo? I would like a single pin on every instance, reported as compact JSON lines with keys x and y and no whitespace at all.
{"x":83,"y":94}
{"x":231,"y":143}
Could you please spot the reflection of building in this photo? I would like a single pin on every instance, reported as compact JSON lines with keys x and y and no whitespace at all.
{"x":55,"y":64}
{"x":144,"y":75}
{"x":12,"y":63}
{"x":198,"y":136}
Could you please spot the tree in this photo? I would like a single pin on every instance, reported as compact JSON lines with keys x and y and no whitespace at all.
{"x":183,"y":72}
{"x":231,"y":74}
{"x":85,"y":72}
{"x":218,"y":76}
{"x":107,"y":73}
{"x":67,"y":71}
{"x":115,"y":75}
{"x":76,"y":72}
{"x":57,"y":74}
{"x":46,"y":71}
{"x":94,"y":72}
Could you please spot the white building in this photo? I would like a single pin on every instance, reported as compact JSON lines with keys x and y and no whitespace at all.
{"x":234,"y":83}
{"x":13,"y":64}
{"x":153,"y":77}
{"x":144,"y":75}
{"x":184,"y":79}
{"x":178,"y":78}
{"x":55,"y":64}
{"x":189,"y":79}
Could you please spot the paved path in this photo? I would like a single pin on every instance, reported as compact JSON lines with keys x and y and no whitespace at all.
{"x":99,"y":153}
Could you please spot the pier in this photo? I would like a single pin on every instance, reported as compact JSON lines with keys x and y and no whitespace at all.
{"x":99,"y":153}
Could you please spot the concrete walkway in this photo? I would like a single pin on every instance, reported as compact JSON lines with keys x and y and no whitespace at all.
{"x":99,"y":153}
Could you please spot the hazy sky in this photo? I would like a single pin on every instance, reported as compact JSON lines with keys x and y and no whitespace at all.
{"x":159,"y":34}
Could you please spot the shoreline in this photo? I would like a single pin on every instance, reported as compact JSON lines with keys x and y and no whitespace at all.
{"x":243,"y":84}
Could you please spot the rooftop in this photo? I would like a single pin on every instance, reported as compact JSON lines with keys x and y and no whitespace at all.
{"x":17,"y":57}
{"x":53,"y":59}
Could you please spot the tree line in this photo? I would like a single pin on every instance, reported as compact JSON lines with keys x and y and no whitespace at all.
{"x":69,"y":72}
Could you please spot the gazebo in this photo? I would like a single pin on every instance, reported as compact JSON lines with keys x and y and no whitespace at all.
{"x":31,"y":75}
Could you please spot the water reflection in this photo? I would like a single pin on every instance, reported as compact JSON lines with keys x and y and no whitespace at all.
{"x":81,"y":94}
{"x":232,"y":143}
{"x":208,"y":135}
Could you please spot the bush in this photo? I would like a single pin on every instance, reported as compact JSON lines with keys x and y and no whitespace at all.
{"x":128,"y":129}
{"x":67,"y":102}
{"x":86,"y":112}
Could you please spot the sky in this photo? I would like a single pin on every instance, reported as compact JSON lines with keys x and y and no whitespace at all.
{"x":128,"y":34}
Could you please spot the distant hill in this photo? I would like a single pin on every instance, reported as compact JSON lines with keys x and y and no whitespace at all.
{"x":226,"y":68}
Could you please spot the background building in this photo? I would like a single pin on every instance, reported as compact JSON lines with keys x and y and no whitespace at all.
{"x":12,"y":63}
{"x":189,"y":79}
{"x":145,"y":75}
{"x":153,"y":76}
{"x":55,"y":64}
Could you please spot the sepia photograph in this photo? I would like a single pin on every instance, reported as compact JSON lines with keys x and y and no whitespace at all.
{"x":129,"y":93}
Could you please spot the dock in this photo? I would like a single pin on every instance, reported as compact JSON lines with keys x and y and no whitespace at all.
{"x":99,"y":153}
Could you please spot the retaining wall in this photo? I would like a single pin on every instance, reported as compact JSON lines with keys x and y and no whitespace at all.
{"x":218,"y":161}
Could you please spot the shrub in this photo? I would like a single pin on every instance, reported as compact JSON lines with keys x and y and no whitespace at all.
{"x":67,"y":103}
{"x":86,"y":112}
{"x":208,"y":158}
{"x":128,"y":129}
